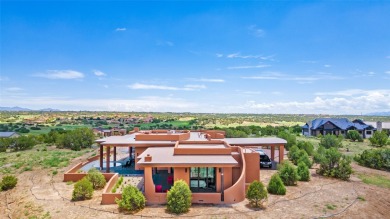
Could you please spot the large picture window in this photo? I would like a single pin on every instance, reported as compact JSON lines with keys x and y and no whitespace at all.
{"x":203,"y":179}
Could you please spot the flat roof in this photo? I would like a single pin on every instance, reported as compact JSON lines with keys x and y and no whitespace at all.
{"x":164,"y":156}
{"x":201,"y":146}
{"x":194,"y":136}
{"x":255,"y":141}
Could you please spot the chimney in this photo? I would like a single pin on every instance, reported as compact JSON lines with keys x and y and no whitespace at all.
{"x":148,"y":158}
{"x":379,"y":126}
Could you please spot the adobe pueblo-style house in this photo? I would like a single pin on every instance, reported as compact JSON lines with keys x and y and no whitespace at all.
{"x":335,"y":126}
{"x":217,"y":169}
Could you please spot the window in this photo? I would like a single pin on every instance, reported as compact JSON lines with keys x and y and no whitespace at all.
{"x":368,"y":132}
{"x":203,"y":179}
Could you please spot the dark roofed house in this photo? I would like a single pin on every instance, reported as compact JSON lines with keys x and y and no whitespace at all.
{"x":9,"y":135}
{"x":336,"y":126}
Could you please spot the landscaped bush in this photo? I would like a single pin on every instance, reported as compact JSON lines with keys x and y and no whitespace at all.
{"x":132,"y":199}
{"x":304,"y":158}
{"x":96,"y":178}
{"x":379,"y":138}
{"x":288,"y":174}
{"x":377,"y":159}
{"x":344,"y":169}
{"x":329,"y":141}
{"x":303,"y":172}
{"x":354,"y":135}
{"x":256,"y":194}
{"x":289,"y":137}
{"x":276,"y":186}
{"x":293,"y":153}
{"x":319,"y":155}
{"x":8,"y":182}
{"x":334,"y":164}
{"x":179,"y":198}
{"x":307,"y":146}
{"x":82,"y":190}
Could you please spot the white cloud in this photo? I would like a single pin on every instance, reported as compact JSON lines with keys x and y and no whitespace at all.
{"x":327,"y":66}
{"x":212,"y":80}
{"x":14,"y":89}
{"x":387,"y":72}
{"x":164,"y":43}
{"x":368,"y":101}
{"x":194,"y":87}
{"x":139,"y":86}
{"x":248,"y":66}
{"x":61,"y":74}
{"x":238,"y":55}
{"x":353,"y":92}
{"x":99,"y":73}
{"x":105,"y":86}
{"x":120,"y":29}
{"x":299,"y":79}
{"x":257,"y":32}
{"x":219,"y":55}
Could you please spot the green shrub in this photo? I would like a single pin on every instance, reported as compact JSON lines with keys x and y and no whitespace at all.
{"x":293,"y":153}
{"x":303,"y":172}
{"x":329,"y":141}
{"x":290,"y":138}
{"x":379,"y":138}
{"x":373,"y":158}
{"x":307,"y":146}
{"x":179,"y":198}
{"x":344,"y":169}
{"x":132,"y":199}
{"x":334,"y":164}
{"x":319,"y":155}
{"x":82,"y":190}
{"x":96,"y":178}
{"x":354,"y":135}
{"x":288,"y":174}
{"x":8,"y":182}
{"x":305,"y":159}
{"x":256,"y":194}
{"x":276,"y":186}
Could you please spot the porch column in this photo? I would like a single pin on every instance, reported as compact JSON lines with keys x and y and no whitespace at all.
{"x":272,"y":152}
{"x":101,"y":156}
{"x":281,"y":153}
{"x":114,"y":156}
{"x":130,"y":151}
{"x":108,"y":159}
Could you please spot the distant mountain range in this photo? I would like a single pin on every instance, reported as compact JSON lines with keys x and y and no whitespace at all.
{"x":378,"y":114}
{"x":16,"y":108}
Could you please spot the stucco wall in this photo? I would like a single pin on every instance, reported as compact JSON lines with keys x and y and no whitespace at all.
{"x":107,"y":196}
{"x":236,"y":193}
{"x":252,"y":171}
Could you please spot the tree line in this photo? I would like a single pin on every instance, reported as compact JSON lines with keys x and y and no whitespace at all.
{"x":76,"y":139}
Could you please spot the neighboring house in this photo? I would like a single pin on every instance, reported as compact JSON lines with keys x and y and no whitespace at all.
{"x":379,"y":126}
{"x":336,"y":126}
{"x":109,"y":132}
{"x":9,"y":135}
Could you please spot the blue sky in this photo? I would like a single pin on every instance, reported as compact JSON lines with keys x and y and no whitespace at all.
{"x":217,"y":57}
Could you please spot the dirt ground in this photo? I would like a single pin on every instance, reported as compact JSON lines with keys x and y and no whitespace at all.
{"x":39,"y":194}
